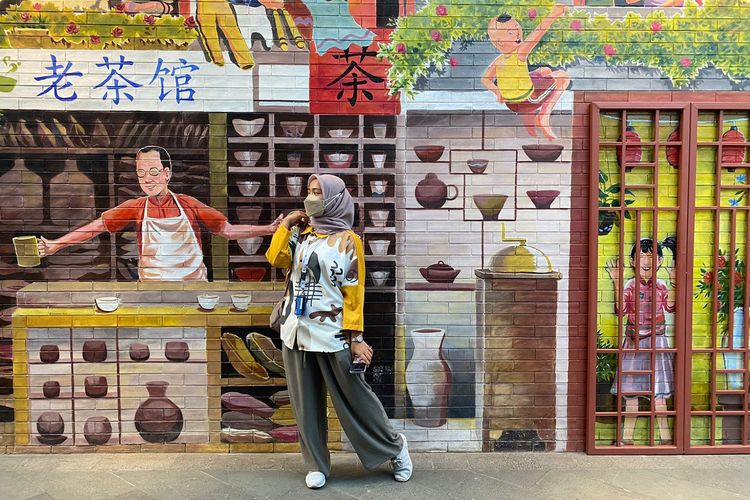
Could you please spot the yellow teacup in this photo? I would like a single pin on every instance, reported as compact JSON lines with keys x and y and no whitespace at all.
{"x":27,"y":251}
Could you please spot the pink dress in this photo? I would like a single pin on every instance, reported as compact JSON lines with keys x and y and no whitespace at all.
{"x":651,"y":329}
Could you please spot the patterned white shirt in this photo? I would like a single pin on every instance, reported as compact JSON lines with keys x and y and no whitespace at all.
{"x":334,"y":291}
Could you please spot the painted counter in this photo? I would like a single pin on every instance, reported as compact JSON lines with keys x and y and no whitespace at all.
{"x":150,"y":374}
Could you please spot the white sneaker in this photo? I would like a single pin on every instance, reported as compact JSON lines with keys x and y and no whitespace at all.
{"x":401,"y":463}
{"x":315,"y":479}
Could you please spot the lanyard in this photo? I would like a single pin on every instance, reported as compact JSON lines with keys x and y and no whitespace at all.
{"x":305,"y":261}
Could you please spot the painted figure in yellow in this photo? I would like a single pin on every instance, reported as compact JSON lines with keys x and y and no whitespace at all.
{"x":221,"y":16}
{"x":533,"y":94}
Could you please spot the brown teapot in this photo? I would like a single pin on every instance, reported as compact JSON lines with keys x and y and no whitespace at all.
{"x":431,"y":192}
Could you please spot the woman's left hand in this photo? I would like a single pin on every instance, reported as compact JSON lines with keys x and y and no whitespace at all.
{"x":363,"y":350}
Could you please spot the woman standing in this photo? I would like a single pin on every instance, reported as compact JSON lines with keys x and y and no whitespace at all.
{"x":322,"y":322}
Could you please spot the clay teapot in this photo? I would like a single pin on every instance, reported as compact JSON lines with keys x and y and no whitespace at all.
{"x":431,"y":192}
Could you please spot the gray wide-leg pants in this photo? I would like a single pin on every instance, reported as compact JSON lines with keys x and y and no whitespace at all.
{"x":360,"y":412}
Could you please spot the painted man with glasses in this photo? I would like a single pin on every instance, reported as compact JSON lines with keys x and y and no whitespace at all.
{"x":168,"y":224}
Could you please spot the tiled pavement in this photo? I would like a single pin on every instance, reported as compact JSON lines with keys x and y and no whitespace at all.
{"x":437,"y":476}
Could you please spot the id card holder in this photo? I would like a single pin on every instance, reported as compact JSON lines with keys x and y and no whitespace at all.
{"x":299,"y":305}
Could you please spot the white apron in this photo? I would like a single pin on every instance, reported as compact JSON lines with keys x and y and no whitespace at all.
{"x":170,"y":249}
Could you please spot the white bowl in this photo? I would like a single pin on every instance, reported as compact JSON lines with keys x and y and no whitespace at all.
{"x":293,"y":159}
{"x":294,"y":186}
{"x":379,"y":217}
{"x":340,"y":133}
{"x":247,"y":158}
{"x":379,"y":278}
{"x":208,"y":300}
{"x":378,"y":188}
{"x":339,"y":160}
{"x":249,"y":214}
{"x":107,"y":304}
{"x":250,"y":245}
{"x":241,"y":301}
{"x":378,"y":160}
{"x":379,"y":247}
{"x":293,"y":128}
{"x":248,"y":128}
{"x":379,"y":130}
{"x":248,"y":188}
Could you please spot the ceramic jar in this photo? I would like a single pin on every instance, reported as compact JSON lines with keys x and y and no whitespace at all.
{"x":158,"y":419}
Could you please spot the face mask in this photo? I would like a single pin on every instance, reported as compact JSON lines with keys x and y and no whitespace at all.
{"x":315,"y":206}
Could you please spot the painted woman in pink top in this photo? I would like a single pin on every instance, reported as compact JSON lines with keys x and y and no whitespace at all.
{"x":644,"y":305}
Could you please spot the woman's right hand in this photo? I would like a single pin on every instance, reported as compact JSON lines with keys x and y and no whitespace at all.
{"x":295,"y":218}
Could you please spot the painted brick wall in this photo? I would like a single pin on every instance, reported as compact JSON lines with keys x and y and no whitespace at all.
{"x":477,"y":349}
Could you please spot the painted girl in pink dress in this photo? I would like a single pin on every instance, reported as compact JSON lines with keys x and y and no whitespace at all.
{"x":648,"y":329}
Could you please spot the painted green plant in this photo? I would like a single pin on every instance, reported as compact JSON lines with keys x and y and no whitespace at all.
{"x":606,"y":362}
{"x":98,"y":30}
{"x":678,"y":43}
{"x":609,"y":196}
{"x":725,"y":276}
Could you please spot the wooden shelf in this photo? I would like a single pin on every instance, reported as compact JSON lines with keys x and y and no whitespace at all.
{"x":445,"y":287}
{"x":248,"y":140}
{"x":245,"y":382}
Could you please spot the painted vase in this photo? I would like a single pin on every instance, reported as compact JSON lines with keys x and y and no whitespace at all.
{"x":428,"y":378}
{"x":158,"y":419}
{"x":733,"y":360}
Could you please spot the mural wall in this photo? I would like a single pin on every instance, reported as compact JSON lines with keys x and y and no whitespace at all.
{"x":135,"y":321}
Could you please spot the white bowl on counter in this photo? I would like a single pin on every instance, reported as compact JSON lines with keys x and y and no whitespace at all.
{"x":241,"y":301}
{"x":248,"y":188}
{"x":250,"y":245}
{"x":208,"y":301}
{"x":247,"y":158}
{"x":107,"y":304}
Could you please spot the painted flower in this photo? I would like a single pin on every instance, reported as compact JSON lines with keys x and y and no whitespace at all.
{"x":576,"y":25}
{"x":722,"y":261}
{"x":95,"y":39}
{"x":436,"y":35}
{"x":149,"y":19}
{"x":734,"y":202}
{"x":742,"y":178}
{"x":656,"y":26}
{"x":738,"y":278}
{"x":453,"y":61}
{"x":441,"y":10}
{"x":686,"y":62}
{"x":190,"y":23}
{"x":71,"y":28}
{"x":25,"y":17}
{"x":120,"y":7}
{"x":532,"y":13}
{"x":401,"y":48}
{"x":37,"y":6}
{"x":117,"y":32}
{"x":609,"y":50}
{"x":708,"y":278}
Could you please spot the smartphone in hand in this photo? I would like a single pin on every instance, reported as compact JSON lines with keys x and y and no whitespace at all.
{"x":358,"y":366}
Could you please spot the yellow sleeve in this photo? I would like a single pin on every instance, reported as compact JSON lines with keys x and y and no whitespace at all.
{"x":354,"y":293}
{"x":278,"y":253}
